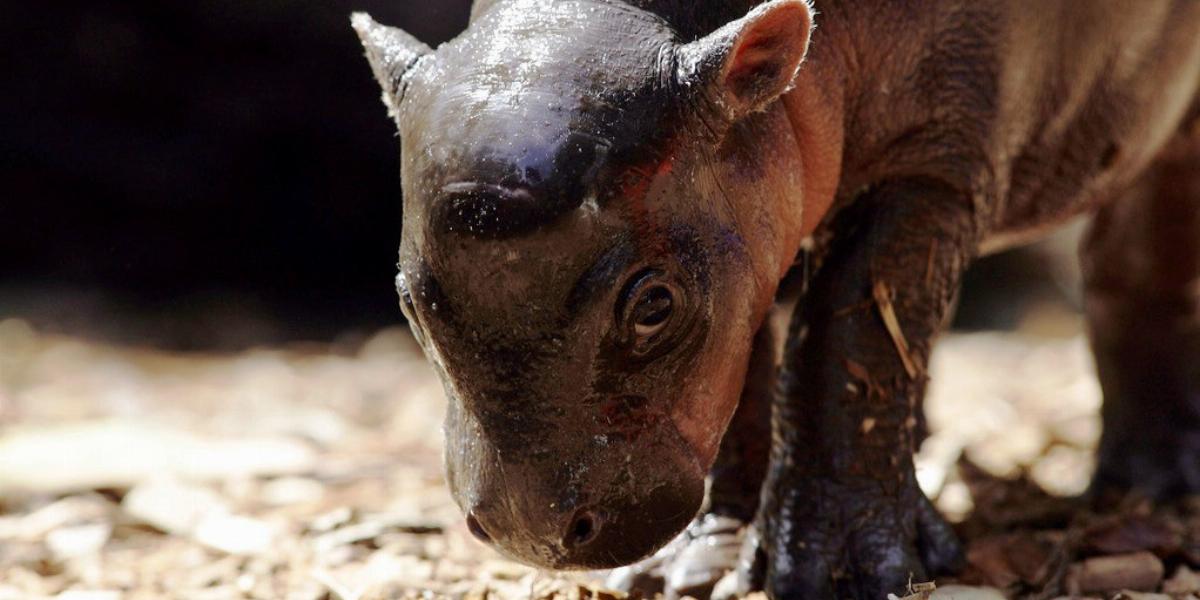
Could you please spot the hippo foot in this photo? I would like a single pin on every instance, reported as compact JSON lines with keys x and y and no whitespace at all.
{"x":839,"y":541}
{"x":688,"y":566}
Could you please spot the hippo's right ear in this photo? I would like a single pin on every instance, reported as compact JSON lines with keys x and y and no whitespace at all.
{"x":749,"y":63}
{"x":392,"y":54}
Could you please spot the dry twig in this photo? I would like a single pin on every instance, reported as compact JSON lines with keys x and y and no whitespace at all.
{"x":883,"y":299}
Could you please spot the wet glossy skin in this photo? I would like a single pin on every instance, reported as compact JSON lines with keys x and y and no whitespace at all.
{"x":575,"y":267}
{"x":603,"y":196}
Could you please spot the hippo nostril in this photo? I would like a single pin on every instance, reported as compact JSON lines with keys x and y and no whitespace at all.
{"x":583,"y":529}
{"x":477,"y":529}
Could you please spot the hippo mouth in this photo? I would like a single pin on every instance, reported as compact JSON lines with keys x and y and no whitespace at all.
{"x":599,"y":502}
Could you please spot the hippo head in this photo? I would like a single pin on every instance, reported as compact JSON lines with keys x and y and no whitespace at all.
{"x":597,"y":214}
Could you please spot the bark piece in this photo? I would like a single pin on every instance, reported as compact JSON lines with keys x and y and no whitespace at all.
{"x":1140,"y":571}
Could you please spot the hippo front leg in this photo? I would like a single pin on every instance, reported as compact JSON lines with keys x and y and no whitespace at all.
{"x":842,"y":514}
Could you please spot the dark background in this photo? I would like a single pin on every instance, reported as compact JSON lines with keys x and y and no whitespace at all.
{"x":198,"y":173}
{"x":217,"y":173}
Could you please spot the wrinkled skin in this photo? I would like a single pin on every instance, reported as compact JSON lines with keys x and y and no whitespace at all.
{"x":612,"y":205}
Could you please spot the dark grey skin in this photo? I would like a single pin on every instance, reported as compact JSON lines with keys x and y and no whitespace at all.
{"x":610,"y":206}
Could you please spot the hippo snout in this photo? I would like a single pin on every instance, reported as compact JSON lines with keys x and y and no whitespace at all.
{"x":566,"y":495}
{"x":601,"y":535}
{"x":582,"y":528}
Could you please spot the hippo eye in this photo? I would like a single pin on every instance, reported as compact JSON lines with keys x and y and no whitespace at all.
{"x":648,"y":309}
{"x":653,"y":311}
{"x":406,"y":301}
{"x":406,"y":305}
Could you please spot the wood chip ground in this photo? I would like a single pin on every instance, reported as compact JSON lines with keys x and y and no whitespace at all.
{"x":314,"y":472}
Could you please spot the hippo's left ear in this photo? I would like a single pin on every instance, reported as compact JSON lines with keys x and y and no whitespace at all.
{"x":750,"y":63}
{"x":392,"y":54}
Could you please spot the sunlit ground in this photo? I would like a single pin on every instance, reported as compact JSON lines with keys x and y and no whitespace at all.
{"x":314,"y":472}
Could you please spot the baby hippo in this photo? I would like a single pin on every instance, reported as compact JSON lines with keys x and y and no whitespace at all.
{"x":648,"y":243}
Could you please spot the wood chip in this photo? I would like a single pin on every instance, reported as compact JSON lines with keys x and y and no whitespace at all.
{"x":1131,"y":595}
{"x":860,"y":372}
{"x":73,"y":510}
{"x":235,"y":534}
{"x":89,"y":595}
{"x":964,"y":592}
{"x":79,"y":540}
{"x":1030,"y":558}
{"x":200,"y":514}
{"x":1140,"y":571}
{"x":292,"y":490}
{"x":853,"y":308}
{"x":917,"y":591}
{"x":122,"y":453}
{"x":1132,"y":533}
{"x":172,"y":506}
{"x":1184,"y":581}
{"x":989,"y":557}
{"x":339,"y":590}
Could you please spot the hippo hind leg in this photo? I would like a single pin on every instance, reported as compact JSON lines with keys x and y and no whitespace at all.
{"x":1141,"y":265}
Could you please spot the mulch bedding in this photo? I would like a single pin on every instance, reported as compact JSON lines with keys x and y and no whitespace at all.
{"x":313,"y":472}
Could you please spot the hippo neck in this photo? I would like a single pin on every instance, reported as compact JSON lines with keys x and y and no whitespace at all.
{"x":692,"y":19}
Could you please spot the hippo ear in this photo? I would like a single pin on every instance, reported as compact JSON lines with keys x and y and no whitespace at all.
{"x":750,"y":63}
{"x":392,"y":54}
